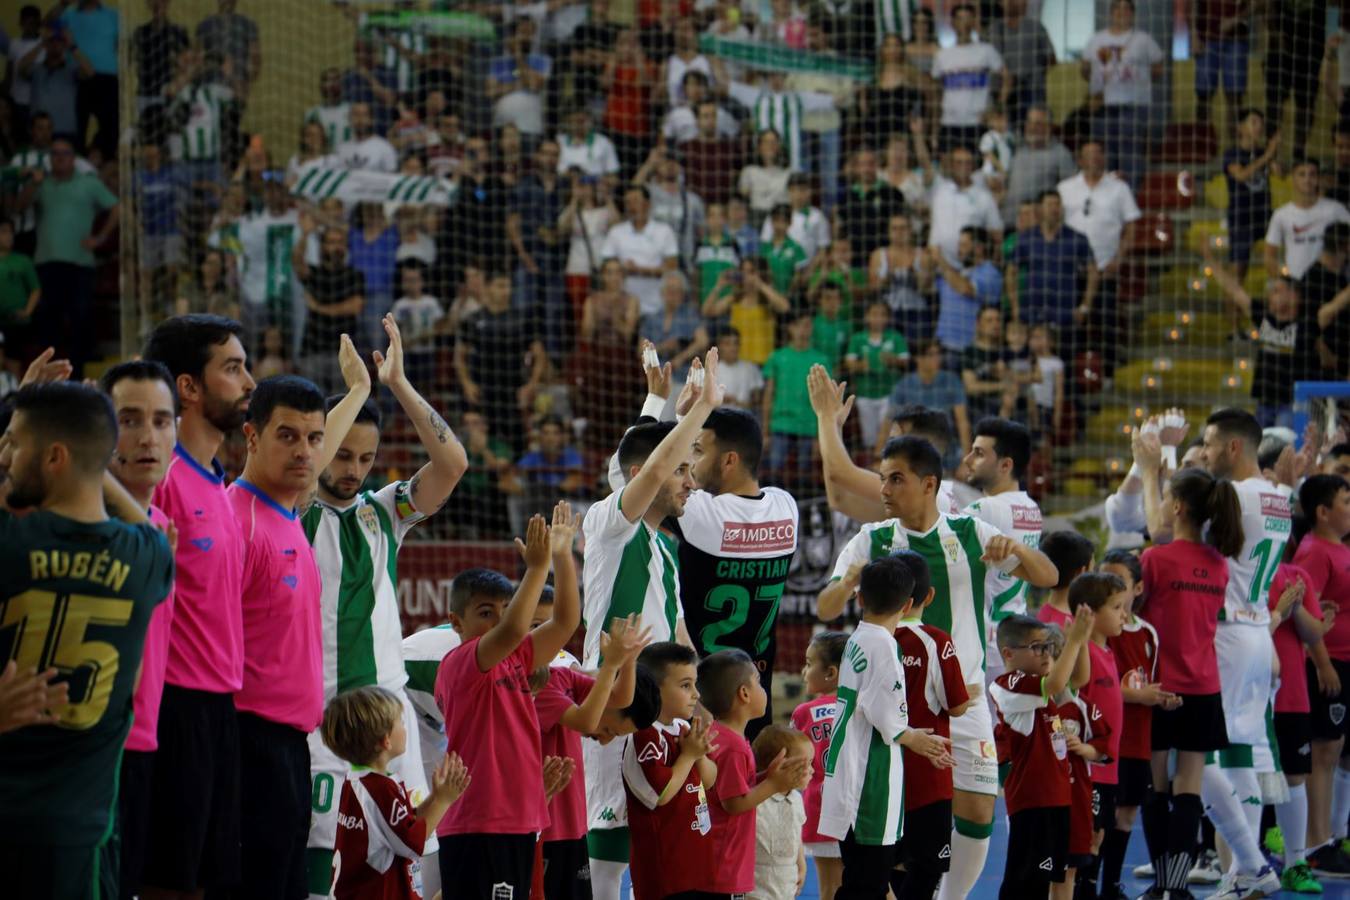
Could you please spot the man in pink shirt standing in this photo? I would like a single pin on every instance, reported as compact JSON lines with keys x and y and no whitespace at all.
{"x":145,"y":402}
{"x":193,"y":840}
{"x":281,"y":700}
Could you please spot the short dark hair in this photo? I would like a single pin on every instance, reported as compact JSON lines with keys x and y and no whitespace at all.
{"x":781,"y":211}
{"x":138,"y":370}
{"x":885,"y":586}
{"x":660,"y":656}
{"x":369,"y":413}
{"x":1094,"y":589}
{"x":79,"y":417}
{"x":1127,"y":560}
{"x":919,"y":453}
{"x":639,"y":442}
{"x":1238,"y":423}
{"x":183,"y":343}
{"x":646,"y":705}
{"x":551,"y":419}
{"x":737,"y":431}
{"x":1301,"y":160}
{"x":721,"y":675}
{"x":1070,"y":552}
{"x":1011,"y":440}
{"x":1017,"y":629}
{"x":477,"y":582}
{"x":918,"y":567}
{"x":28,"y":12}
{"x":1320,"y":490}
{"x":290,"y":391}
{"x":1338,"y":450}
{"x":926,"y":422}
{"x":980,"y":237}
{"x":694,"y":75}
{"x":831,"y":645}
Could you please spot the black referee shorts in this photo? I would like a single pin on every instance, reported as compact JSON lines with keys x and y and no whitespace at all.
{"x":274,"y":812}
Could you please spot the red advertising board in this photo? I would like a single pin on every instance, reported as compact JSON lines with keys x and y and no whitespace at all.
{"x":426,"y":568}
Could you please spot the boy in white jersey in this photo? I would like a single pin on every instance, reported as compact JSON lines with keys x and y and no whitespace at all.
{"x":1297,"y":227}
{"x":356,"y":537}
{"x":998,"y":457}
{"x":959,"y":551}
{"x":1243,"y":643}
{"x":332,"y":114}
{"x":630,"y":567}
{"x":862,"y":802}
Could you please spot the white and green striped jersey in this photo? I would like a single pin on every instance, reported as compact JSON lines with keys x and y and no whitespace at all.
{"x":422,"y":655}
{"x":895,"y":17}
{"x":336,"y":122}
{"x":781,"y":112}
{"x":864,"y":788}
{"x":205,"y":105}
{"x":356,"y":549}
{"x":628,"y":567}
{"x":405,"y":71}
{"x":265,"y":271}
{"x":1016,"y":516}
{"x":1266,"y":523}
{"x":952,"y":548}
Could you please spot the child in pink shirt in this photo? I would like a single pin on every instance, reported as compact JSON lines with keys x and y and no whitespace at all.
{"x":483,"y":690}
{"x":729,"y":685}
{"x":815,"y":718}
{"x":1072,"y":555}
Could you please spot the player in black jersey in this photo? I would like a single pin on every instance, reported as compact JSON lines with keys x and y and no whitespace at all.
{"x":78,"y":592}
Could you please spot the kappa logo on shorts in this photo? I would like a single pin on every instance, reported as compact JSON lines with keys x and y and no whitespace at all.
{"x":945,"y":852}
{"x":1047,"y":865}
{"x":1337,"y":713}
{"x":503,"y":891}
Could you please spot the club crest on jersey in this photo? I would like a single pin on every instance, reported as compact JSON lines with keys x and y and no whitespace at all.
{"x":952,"y":547}
{"x":759,"y":537}
{"x":370,"y":522}
{"x":503,"y":891}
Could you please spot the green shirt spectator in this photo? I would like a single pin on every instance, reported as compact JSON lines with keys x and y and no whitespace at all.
{"x":67,"y":208}
{"x":785,"y":387}
{"x":879,"y":353}
{"x":785,"y":257}
{"x":18,"y":280}
{"x":714,"y":256}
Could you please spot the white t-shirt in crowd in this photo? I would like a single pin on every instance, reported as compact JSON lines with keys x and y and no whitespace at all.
{"x":1299,"y":231}
{"x":741,"y":379}
{"x":648,"y":248}
{"x":373,"y":154}
{"x":955,"y":208}
{"x":965,"y":72}
{"x":681,"y":124}
{"x":1099,"y":212}
{"x":1043,"y":391}
{"x":593,"y":154}
{"x":809,"y":228}
{"x":1125,"y":79}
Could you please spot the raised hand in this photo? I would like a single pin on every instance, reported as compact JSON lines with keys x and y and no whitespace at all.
{"x":354,"y":372}
{"x":658,"y":376}
{"x":389,"y":365}
{"x":535,"y":548}
{"x":450,"y":779}
{"x":713,"y":393}
{"x":564,"y":529}
{"x":692,"y":390}
{"x":1174,"y":427}
{"x":695,"y":742}
{"x":1081,"y":626}
{"x":45,"y":369}
{"x":827,"y":396}
{"x":557,"y":773}
{"x":1147,"y":450}
{"x":626,"y":639}
{"x":785,"y":774}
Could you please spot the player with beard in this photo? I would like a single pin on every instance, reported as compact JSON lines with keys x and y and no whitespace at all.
{"x":193,"y":842}
{"x":995,"y":465}
{"x":78,"y":596}
{"x":630,"y":567}
{"x":356,"y":536}
{"x":960,"y":552}
{"x":145,"y":404}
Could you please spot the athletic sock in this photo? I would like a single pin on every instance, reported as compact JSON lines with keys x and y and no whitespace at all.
{"x":606,"y":878}
{"x":1180,"y":857}
{"x":1224,"y":810}
{"x":970,"y":846}
{"x":1114,"y":845}
{"x":1340,"y":804}
{"x":1154,"y":812}
{"x":1247,"y":788}
{"x":1292,"y":817}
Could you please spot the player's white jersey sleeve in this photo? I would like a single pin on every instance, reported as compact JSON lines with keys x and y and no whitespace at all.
{"x":396,"y":499}
{"x":857,"y":551}
{"x":1266,"y":525}
{"x":422,"y":655}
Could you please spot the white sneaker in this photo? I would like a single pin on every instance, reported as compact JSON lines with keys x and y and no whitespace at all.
{"x":1206,"y":869}
{"x":1227,"y":888}
{"x":1262,"y":884}
{"x":1144,"y":871}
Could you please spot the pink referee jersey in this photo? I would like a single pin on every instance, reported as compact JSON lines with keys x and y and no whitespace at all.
{"x":144,"y":734}
{"x":206,"y":638}
{"x":283,"y":665}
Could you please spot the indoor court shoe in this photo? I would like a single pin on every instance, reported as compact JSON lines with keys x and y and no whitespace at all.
{"x":1300,"y":879}
{"x":1262,"y":884}
{"x":1329,"y":861}
{"x":1206,"y":869}
{"x":1144,"y":871}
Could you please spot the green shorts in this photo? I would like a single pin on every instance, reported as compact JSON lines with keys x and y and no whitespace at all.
{"x":608,"y":844}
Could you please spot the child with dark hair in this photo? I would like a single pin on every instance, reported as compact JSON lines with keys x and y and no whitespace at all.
{"x":815,"y":718}
{"x":1072,"y":555}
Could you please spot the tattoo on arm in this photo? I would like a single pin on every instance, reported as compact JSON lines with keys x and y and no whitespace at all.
{"x":437,"y":424}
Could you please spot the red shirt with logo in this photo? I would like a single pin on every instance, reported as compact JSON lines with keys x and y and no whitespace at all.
{"x":815,"y":719}
{"x":733,"y":836}
{"x":1184,"y":583}
{"x":1103,"y":692}
{"x":1084,"y":720}
{"x":1136,"y":652}
{"x":671,"y":846}
{"x":1034,"y":737}
{"x":1051,"y":616}
{"x":1328,"y":568}
{"x":566,"y":688}
{"x":933,"y":685}
{"x":379,"y":838}
{"x":1292,"y":697}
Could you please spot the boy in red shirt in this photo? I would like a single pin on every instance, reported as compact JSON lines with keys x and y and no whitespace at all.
{"x":380,"y":836}
{"x":729,"y":684}
{"x":1037,"y":789}
{"x":935,"y":691}
{"x":483,"y":691}
{"x":1072,"y":555}
{"x":1325,"y":500}
{"x":569,"y":704}
{"x":666,"y":776}
{"x":815,"y":718}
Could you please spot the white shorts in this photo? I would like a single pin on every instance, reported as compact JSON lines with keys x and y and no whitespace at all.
{"x":822,"y":849}
{"x":976,"y":768}
{"x":606,"y":803}
{"x":328,"y":772}
{"x":1245,"y":653}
